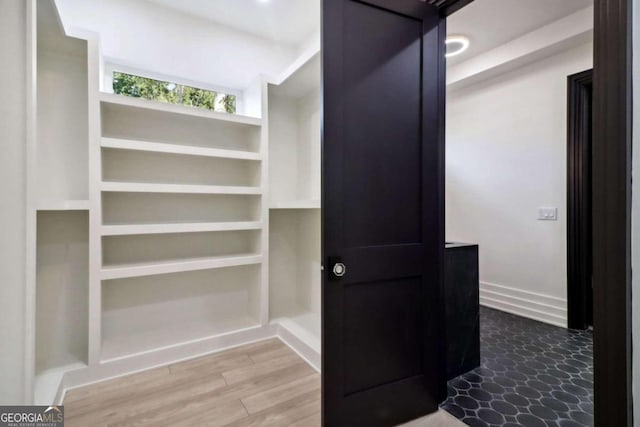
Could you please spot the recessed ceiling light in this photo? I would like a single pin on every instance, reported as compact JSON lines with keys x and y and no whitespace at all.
{"x":458,"y":45}
{"x":263,"y":1}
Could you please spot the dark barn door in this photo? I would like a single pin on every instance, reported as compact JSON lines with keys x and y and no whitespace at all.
{"x":383,"y":211}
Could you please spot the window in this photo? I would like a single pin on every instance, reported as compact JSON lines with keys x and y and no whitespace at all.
{"x":173,"y":93}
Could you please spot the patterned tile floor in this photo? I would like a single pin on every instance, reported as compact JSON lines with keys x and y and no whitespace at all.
{"x":531,"y":374}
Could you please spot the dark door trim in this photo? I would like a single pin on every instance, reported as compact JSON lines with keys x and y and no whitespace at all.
{"x":447,"y":7}
{"x":579,"y":225}
{"x":612,"y":113}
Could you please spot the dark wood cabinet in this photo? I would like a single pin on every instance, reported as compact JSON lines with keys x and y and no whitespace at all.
{"x":462,"y":308}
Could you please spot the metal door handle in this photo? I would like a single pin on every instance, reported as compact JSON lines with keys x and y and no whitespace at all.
{"x":339,"y":269}
{"x":336,"y":268}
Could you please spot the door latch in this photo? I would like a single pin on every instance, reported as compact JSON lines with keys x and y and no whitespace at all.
{"x":337,"y":268}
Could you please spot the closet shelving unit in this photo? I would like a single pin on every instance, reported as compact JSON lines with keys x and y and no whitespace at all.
{"x":181,"y":225}
{"x":156,"y":232}
{"x":57,"y":204}
{"x":294,"y":227}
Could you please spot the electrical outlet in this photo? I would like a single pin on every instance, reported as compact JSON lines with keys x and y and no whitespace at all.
{"x":548,"y":214}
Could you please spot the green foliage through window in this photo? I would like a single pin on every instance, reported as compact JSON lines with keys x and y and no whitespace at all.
{"x":173,"y":93}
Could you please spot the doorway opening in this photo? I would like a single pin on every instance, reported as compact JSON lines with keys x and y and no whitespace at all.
{"x":579,"y":200}
{"x":506,"y":194}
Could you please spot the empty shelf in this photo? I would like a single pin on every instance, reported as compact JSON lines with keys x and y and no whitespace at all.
{"x":296,"y":204}
{"x":64,"y":205}
{"x":121,"y":271}
{"x":190,"y":150}
{"x":133,"y":187}
{"x":193,"y":227}
{"x":162,"y":107}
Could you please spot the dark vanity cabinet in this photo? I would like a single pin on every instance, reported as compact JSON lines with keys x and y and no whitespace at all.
{"x":462,"y":308}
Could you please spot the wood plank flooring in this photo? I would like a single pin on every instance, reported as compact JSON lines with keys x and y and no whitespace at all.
{"x":260,"y":384}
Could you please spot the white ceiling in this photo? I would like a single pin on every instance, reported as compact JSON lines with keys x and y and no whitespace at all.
{"x":491,"y":23}
{"x":488,"y":23}
{"x":290,"y":22}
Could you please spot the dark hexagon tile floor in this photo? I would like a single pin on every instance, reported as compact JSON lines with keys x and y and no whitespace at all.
{"x":532,"y":374}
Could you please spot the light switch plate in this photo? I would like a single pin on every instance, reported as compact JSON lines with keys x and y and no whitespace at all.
{"x":548,"y":214}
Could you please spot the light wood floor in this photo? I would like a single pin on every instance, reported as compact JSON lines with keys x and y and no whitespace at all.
{"x":260,"y":384}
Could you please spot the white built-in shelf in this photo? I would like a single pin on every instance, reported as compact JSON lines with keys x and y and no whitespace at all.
{"x":190,"y":150}
{"x":122,"y":346}
{"x":64,"y":205}
{"x":135,"y":187}
{"x":296,"y":204}
{"x":121,"y":271}
{"x":162,"y":107}
{"x":192,"y":227}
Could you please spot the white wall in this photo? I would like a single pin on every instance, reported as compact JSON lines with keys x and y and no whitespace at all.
{"x":12,"y":200}
{"x":506,"y":156}
{"x":150,"y":37}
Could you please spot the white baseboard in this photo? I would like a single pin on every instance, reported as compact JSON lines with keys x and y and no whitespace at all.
{"x":310,"y":352}
{"x":532,"y":305}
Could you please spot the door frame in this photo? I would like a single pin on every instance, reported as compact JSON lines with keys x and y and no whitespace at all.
{"x":612,"y":110}
{"x":579,"y":230}
{"x":447,"y":7}
{"x":611,"y":198}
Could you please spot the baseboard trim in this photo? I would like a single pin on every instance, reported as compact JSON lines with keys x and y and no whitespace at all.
{"x":305,"y":350}
{"x":536,"y":306}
